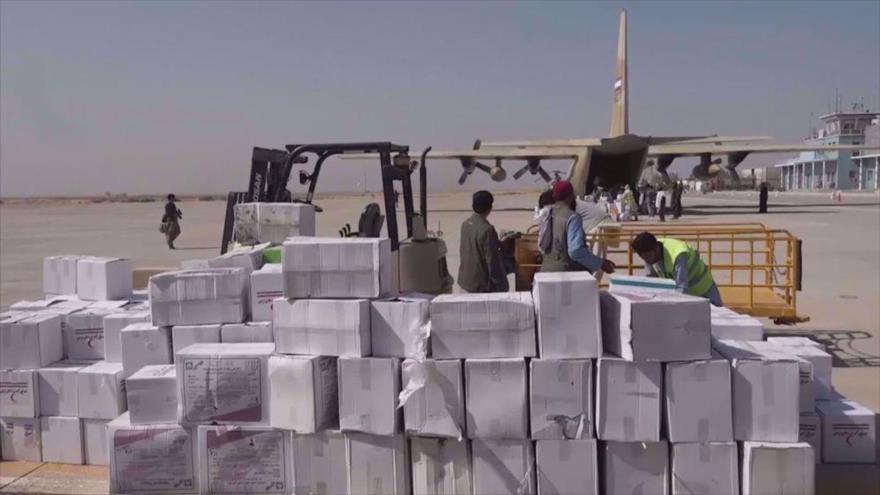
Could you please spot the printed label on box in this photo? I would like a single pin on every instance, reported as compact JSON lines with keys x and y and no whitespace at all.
{"x":164,"y":464}
{"x":246,"y":461}
{"x":228,"y":389}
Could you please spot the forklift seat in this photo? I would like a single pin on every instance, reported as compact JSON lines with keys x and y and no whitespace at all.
{"x":371,"y":221}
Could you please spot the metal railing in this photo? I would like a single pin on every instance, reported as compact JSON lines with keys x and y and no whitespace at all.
{"x":757,"y":269}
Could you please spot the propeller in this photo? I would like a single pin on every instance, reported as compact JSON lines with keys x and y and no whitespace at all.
{"x":469,"y":164}
{"x":533,"y":166}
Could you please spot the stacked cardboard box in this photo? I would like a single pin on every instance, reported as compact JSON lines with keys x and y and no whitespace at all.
{"x":273,"y":222}
{"x":358,"y":391}
{"x":345,"y":424}
{"x":58,"y":384}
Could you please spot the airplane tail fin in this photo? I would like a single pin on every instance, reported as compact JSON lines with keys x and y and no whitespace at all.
{"x":620,"y":110}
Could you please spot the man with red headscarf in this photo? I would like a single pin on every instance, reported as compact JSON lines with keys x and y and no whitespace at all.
{"x":564,"y":247}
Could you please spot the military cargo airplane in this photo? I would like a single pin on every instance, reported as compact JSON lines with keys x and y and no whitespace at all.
{"x":622,"y":157}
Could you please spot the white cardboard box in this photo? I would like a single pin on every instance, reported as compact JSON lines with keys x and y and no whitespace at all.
{"x":567,"y":309}
{"x":441,"y":466}
{"x":12,"y":315}
{"x":811,"y":432}
{"x":249,"y":258}
{"x":350,"y":267}
{"x":766,"y":403}
{"x":636,"y":467}
{"x":705,"y":468}
{"x":368,"y":395}
{"x":493,"y":325}
{"x":656,"y":327}
{"x":256,"y":331}
{"x":223,"y":383}
{"x":628,"y":396}
{"x":20,"y":393}
{"x":199,"y":297}
{"x":777,"y":468}
{"x":113,"y":324}
{"x":103,"y":279}
{"x":561,"y":399}
{"x":848,"y":432}
{"x":100,"y":391}
{"x":319,"y":463}
{"x":183,"y":336}
{"x":817,"y":356}
{"x":59,"y":274}
{"x":796,"y":341}
{"x":143,"y":345}
{"x":35,"y":305}
{"x":243,"y":459}
{"x":697,"y":399}
{"x":95,"y":442}
{"x":435,"y":405}
{"x":567,"y":467}
{"x":62,"y":439}
{"x":84,"y":334}
{"x":152,"y":395}
{"x":637,"y":283}
{"x":497,"y":401}
{"x":273,"y":222}
{"x":31,"y":342}
{"x":58,"y":388}
{"x":328,"y":327}
{"x":303,"y":393}
{"x":807,"y":386}
{"x":20,"y":439}
{"x":377,"y":464}
{"x":397,"y":326}
{"x":736,"y":327}
{"x":267,"y":284}
{"x":503,"y":466}
{"x":194,"y":264}
{"x":151,"y":458}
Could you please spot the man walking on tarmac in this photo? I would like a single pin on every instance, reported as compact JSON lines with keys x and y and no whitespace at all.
{"x":674,"y":259}
{"x":563,"y":243}
{"x":171,"y":221}
{"x":481,"y":269}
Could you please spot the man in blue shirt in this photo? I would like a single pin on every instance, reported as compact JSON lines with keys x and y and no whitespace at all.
{"x":564,"y":247}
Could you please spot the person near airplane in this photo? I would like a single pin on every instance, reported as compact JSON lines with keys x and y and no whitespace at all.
{"x":676,"y":260}
{"x":564,"y":245}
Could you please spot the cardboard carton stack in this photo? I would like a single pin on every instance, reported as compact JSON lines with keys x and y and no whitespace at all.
{"x":344,"y":424}
{"x":257,"y":223}
{"x":349,"y":388}
{"x":59,"y":385}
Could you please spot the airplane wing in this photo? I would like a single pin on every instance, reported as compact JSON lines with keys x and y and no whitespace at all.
{"x":687,"y":149}
{"x":470,"y":160}
{"x":531,"y":152}
{"x":583,"y":142}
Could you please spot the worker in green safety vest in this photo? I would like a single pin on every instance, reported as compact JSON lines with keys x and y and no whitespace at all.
{"x":676,"y":260}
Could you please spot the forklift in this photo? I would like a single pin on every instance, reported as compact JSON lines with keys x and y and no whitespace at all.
{"x":419,"y":260}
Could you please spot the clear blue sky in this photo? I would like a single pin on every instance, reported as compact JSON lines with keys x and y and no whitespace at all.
{"x":171,"y":96}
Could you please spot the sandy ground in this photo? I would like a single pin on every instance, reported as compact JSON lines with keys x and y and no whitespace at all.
{"x":841,"y":292}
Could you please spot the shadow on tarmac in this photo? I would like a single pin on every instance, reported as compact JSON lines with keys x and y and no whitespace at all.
{"x":839,"y":343}
{"x":772,"y":205}
{"x":696,"y":211}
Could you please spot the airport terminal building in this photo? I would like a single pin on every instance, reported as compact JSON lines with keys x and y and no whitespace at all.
{"x":816,"y":170}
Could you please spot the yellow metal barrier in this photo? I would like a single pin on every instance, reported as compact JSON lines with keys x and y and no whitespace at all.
{"x":756,"y":269}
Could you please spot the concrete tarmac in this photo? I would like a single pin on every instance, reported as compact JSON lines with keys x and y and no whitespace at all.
{"x":841,"y":284}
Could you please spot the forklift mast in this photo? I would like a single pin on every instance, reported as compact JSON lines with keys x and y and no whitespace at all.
{"x":271,"y":170}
